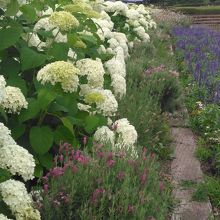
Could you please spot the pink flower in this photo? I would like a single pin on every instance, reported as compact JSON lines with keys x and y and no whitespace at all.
{"x":110,"y":156}
{"x":61,"y":158}
{"x":56,"y":171}
{"x":121,"y":175}
{"x":100,"y":154}
{"x":74,"y":169}
{"x":144,"y":177}
{"x":110,"y":163}
{"x":97,"y":194}
{"x":46,"y":187}
{"x":161,"y":186}
{"x":130,"y":209}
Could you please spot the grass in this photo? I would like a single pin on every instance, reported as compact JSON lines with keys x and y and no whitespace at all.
{"x":145,"y":113}
{"x":199,"y":10}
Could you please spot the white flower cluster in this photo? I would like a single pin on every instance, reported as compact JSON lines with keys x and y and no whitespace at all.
{"x":122,"y":138}
{"x":13,"y":157}
{"x":104,"y":99}
{"x":65,"y":21}
{"x":105,"y":136}
{"x":15,"y":195}
{"x":94,"y":71}
{"x":17,"y":160}
{"x":14,"y":100}
{"x":3,"y":217}
{"x":11,"y":98}
{"x":61,"y":72}
{"x":2,"y":88}
{"x":126,"y":131}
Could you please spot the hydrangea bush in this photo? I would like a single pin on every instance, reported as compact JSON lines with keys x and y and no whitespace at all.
{"x":62,"y":66}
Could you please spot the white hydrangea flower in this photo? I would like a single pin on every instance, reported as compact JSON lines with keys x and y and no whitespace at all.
{"x":72,"y":54}
{"x":94,"y":71}
{"x":104,"y":99}
{"x":101,"y":49}
{"x":126,"y":131}
{"x":119,"y":85}
{"x":132,"y":14}
{"x":60,"y":72}
{"x":45,"y":24}
{"x":83,"y":107}
{"x":5,"y":136}
{"x":34,"y":41}
{"x":104,"y":135}
{"x":104,"y":23}
{"x":142,"y":34}
{"x":14,"y":100}
{"x":18,"y":161}
{"x":115,"y":66}
{"x":2,"y":88}
{"x":113,"y":43}
{"x":118,"y":7}
{"x":65,"y":21}
{"x":3,"y":217}
{"x":110,"y":105}
{"x":15,"y":195}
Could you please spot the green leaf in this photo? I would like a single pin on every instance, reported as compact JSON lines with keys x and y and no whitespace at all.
{"x":38,"y":172}
{"x":3,"y":114}
{"x":46,"y":160}
{"x":31,"y":112}
{"x":72,"y":39}
{"x":45,"y":97}
{"x":18,"y":82}
{"x":88,"y":38}
{"x":41,"y":139}
{"x":31,"y":59}
{"x":68,"y":124}
{"x":92,"y":123}
{"x":10,"y":35}
{"x":4,"y":175}
{"x":29,"y":13}
{"x":12,"y":8}
{"x":63,"y":134}
{"x":10,"y":67}
{"x":17,"y":130}
{"x":69,"y":102}
{"x":59,"y":51}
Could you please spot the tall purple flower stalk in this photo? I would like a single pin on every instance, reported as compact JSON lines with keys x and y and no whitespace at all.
{"x":199,"y":47}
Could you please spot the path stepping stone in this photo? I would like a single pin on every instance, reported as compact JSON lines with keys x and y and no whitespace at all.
{"x":185,"y":167}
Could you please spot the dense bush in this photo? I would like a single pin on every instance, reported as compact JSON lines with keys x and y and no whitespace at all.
{"x":106,"y":186}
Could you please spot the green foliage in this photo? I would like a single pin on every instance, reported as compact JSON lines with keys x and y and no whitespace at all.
{"x":147,"y":93}
{"x":210,"y":188}
{"x":105,"y":186}
{"x":166,"y":89}
{"x":199,"y":10}
{"x":52,"y":115}
{"x":203,"y":153}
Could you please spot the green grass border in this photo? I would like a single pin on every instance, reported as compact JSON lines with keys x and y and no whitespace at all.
{"x":198,"y":10}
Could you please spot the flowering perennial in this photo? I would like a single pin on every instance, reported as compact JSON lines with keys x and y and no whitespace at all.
{"x":17,"y":160}
{"x":60,"y":72}
{"x":14,"y":100}
{"x":65,"y":21}
{"x":94,"y":71}
{"x":14,"y":194}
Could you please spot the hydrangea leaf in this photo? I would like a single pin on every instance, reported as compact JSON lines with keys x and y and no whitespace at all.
{"x":12,"y":8}
{"x":45,"y":97}
{"x":31,"y":59}
{"x":41,"y":139}
{"x":31,"y":112}
{"x":29,"y":13}
{"x":46,"y":160}
{"x":10,"y":35}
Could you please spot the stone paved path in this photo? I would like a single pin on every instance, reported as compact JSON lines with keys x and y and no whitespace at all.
{"x":185,"y":167}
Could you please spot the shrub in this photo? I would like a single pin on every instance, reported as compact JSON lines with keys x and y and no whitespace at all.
{"x":106,"y":186}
